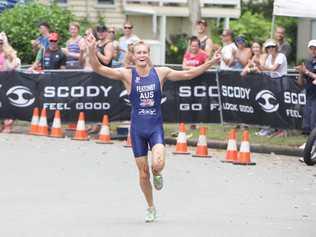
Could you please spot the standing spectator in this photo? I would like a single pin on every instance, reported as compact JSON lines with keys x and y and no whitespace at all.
{"x":275,"y":66}
{"x":116,"y":47}
{"x":228,"y":51}
{"x":283,"y":46}
{"x":243,"y":53}
{"x":276,"y":63}
{"x":72,"y":50}
{"x":307,"y":72}
{"x":42,"y":40}
{"x":195,"y":56}
{"x":51,"y":58}
{"x":8,"y":61}
{"x":128,"y":38}
{"x":104,"y":47}
{"x":257,"y":59}
{"x":206,"y":42}
{"x":83,"y":59}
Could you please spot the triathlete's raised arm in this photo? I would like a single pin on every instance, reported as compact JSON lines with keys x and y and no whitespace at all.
{"x":174,"y":75}
{"x":115,"y":74}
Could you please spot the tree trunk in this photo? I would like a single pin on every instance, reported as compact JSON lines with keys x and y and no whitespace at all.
{"x":195,"y":13}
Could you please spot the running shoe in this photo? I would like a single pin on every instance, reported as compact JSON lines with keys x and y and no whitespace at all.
{"x":150,"y":215}
{"x":158,"y":181}
{"x":302,"y":147}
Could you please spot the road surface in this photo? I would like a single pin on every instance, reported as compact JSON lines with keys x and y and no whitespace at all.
{"x":64,"y":188}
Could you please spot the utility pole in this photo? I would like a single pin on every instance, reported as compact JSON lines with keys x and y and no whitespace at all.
{"x":195,"y":13}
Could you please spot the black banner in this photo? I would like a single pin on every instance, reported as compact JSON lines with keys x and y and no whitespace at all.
{"x":259,"y":99}
{"x":255,"y":99}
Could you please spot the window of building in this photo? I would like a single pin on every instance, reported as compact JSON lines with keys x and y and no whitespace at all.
{"x":106,"y":1}
{"x":313,"y":29}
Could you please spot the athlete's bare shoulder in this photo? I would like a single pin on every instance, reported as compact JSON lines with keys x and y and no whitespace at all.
{"x":162,"y":72}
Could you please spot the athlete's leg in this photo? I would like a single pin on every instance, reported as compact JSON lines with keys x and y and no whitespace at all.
{"x":144,"y":179}
{"x":158,"y":158}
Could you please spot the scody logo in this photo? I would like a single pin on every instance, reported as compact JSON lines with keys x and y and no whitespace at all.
{"x":267,"y":101}
{"x":125,"y":97}
{"x":20,"y":96}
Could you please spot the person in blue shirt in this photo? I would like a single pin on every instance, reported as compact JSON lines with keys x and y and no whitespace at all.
{"x":41,"y":41}
{"x":144,"y":85}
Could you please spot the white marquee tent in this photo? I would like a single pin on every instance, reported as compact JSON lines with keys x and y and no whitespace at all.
{"x":295,"y":8}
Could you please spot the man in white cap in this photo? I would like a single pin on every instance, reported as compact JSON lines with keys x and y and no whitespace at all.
{"x":307,"y":78}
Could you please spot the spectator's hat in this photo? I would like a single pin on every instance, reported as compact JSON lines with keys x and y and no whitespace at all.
{"x":270,"y":43}
{"x":311,"y":43}
{"x":102,"y":28}
{"x":240,"y":40}
{"x":53,"y":36}
{"x":202,"y":22}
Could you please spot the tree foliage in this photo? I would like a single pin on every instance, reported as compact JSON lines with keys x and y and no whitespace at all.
{"x":21,"y":25}
{"x":252,"y":26}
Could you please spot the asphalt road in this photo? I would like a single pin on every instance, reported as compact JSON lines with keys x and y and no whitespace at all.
{"x":64,"y":188}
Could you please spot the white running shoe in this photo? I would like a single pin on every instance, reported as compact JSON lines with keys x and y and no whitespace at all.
{"x":150,"y":215}
{"x":302,"y":147}
{"x":158,"y":181}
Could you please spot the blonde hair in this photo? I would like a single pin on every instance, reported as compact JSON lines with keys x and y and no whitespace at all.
{"x":12,"y":61}
{"x":141,"y":43}
{"x":75,"y":24}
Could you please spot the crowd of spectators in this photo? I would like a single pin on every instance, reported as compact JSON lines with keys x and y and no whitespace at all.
{"x":268,"y":57}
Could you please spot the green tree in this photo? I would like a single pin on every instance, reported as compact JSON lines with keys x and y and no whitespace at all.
{"x":252,"y":26}
{"x":21,"y":25}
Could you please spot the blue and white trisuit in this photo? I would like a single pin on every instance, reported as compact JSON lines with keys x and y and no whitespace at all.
{"x":146,"y":117}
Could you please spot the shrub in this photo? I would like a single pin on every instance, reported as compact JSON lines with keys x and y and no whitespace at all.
{"x":21,"y":25}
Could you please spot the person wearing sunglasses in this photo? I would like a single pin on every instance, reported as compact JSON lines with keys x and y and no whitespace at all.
{"x":104,"y":46}
{"x":229,"y":50}
{"x":51,"y":58}
{"x":116,"y":47}
{"x":128,"y":38}
{"x":276,"y":64}
{"x":206,"y":42}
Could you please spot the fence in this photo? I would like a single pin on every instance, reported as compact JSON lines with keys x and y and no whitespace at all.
{"x":214,"y":97}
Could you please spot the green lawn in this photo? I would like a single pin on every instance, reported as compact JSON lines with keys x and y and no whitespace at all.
{"x":220,"y":132}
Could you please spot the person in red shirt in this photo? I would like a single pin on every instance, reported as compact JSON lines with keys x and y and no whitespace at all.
{"x":195,"y":56}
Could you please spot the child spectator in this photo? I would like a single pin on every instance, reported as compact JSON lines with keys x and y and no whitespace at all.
{"x":206,"y":42}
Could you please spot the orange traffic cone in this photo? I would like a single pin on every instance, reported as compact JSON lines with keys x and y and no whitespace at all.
{"x":81,"y":133}
{"x":231,"y":153}
{"x":42,"y":125}
{"x":56,"y":128}
{"x":104,"y":136}
{"x":128,"y":142}
{"x":34,"y":123}
{"x":244,"y":151}
{"x":181,"y":146}
{"x":201,"y":148}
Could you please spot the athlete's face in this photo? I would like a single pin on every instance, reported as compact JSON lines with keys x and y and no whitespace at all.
{"x":141,"y":55}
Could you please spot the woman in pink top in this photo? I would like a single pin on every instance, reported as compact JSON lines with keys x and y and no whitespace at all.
{"x":195,"y":56}
{"x":8,"y":61}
